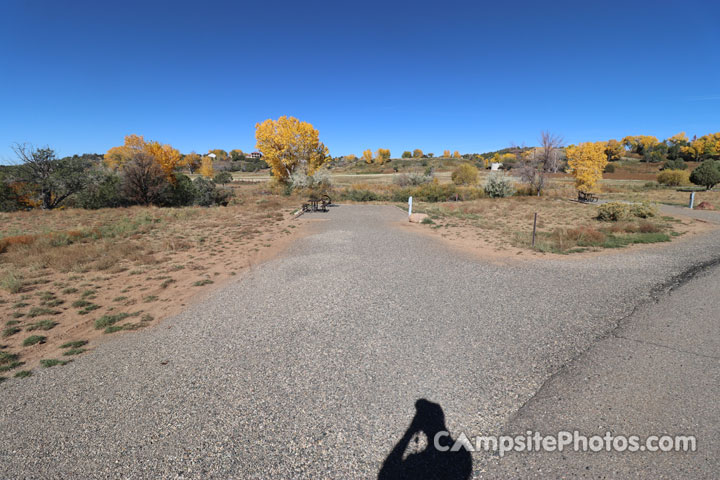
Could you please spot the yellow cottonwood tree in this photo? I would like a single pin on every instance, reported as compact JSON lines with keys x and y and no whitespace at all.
{"x":383,"y":155}
{"x":678,"y":139}
{"x":703,"y":147}
{"x":206,"y":167}
{"x":167,"y":157}
{"x":446,"y":153}
{"x":456,"y":154}
{"x":368,"y":156}
{"x":116,"y":157}
{"x":192,"y":160}
{"x":417,"y":153}
{"x":614,"y":150}
{"x":587,"y":162}
{"x":640,"y":143}
{"x":288,"y":144}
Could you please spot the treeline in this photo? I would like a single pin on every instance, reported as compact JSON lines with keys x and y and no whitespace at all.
{"x":137,"y":173}
{"x":679,"y":146}
{"x":645,"y":148}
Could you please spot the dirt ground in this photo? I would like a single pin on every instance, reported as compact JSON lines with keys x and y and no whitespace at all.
{"x":86,"y":275}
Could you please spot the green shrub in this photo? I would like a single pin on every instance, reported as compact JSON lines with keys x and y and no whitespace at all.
{"x":223,"y":178}
{"x":613,"y":211}
{"x":465,"y":174}
{"x":707,"y":174}
{"x":616,"y":211}
{"x":643,"y":210}
{"x":499,"y":186}
{"x":102,"y":192}
{"x":675,"y":164}
{"x":206,"y":194}
{"x":179,"y":194}
{"x":9,"y":200}
{"x":609,"y":168}
{"x":673,"y":178}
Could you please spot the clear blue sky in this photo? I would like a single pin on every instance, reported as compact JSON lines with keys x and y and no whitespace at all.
{"x":79,"y":75}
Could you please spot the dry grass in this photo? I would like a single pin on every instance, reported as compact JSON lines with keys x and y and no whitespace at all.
{"x":67,"y":268}
{"x":563,"y":226}
{"x":668,"y":196}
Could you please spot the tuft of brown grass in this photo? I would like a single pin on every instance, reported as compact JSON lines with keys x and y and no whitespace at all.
{"x":7,"y":242}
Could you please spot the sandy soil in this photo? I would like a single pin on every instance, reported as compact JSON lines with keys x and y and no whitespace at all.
{"x":158,"y":286}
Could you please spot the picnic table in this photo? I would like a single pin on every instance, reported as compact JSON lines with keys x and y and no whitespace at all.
{"x":586,"y":197}
{"x":317,"y":204}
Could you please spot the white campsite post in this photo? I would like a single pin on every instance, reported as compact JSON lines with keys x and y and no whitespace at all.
{"x":409,"y":206}
{"x":692,"y":200}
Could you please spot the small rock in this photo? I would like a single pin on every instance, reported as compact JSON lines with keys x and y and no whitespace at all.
{"x":418,"y":217}
{"x":701,"y":206}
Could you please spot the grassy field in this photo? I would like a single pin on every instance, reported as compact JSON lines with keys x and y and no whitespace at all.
{"x":505,"y":225}
{"x":70,"y":277}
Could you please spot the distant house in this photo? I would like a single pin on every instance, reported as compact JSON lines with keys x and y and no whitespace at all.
{"x":255,"y":155}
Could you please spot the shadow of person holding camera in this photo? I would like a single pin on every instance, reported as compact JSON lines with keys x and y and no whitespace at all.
{"x":441,"y":462}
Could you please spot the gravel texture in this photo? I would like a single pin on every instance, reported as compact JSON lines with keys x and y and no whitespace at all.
{"x":309,"y":365}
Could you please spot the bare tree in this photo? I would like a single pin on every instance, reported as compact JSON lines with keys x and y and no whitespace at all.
{"x":550,"y":146}
{"x":55,"y":179}
{"x":143,"y":180}
{"x":538,"y":162}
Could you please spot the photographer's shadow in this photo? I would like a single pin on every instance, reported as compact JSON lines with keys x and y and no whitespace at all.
{"x":430,"y":463}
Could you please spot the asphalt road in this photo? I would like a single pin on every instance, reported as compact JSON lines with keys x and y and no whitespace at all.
{"x":310,"y":365}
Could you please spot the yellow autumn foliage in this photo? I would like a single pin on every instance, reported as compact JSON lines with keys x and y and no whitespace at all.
{"x":288,"y":144}
{"x":678,"y":139}
{"x":587,"y":162}
{"x":382,"y":156}
{"x":206,"y":167}
{"x":167,"y":157}
{"x":640,"y":143}
{"x":368,"y":156}
{"x":116,"y":157}
{"x":614,"y":150}
{"x":706,"y":146}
